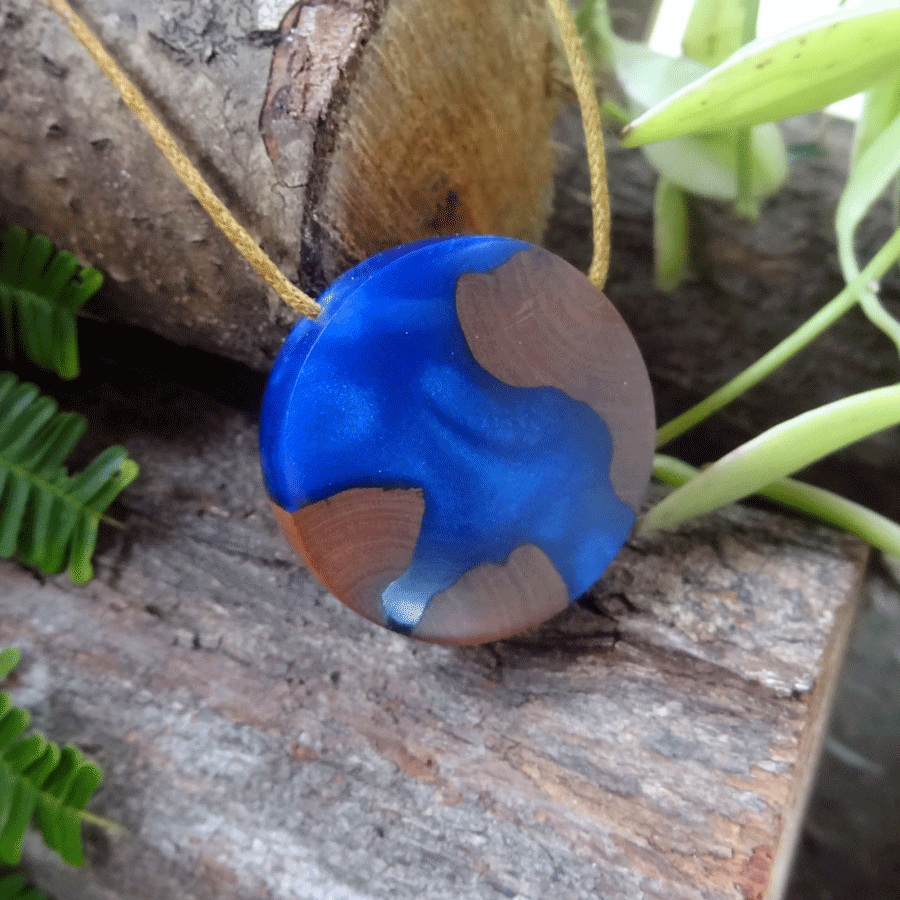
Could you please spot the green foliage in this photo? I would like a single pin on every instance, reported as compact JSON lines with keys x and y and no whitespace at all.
{"x":50,"y":519}
{"x":15,"y":886}
{"x":700,"y":128}
{"x":40,"y":295}
{"x":800,"y":70}
{"x":48,"y":516}
{"x":775,"y":453}
{"x":707,"y":165}
{"x":40,"y":781}
{"x":715,"y":30}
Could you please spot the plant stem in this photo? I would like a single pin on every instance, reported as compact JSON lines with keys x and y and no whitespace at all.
{"x":745,"y":205}
{"x":872,"y":527}
{"x":879,"y":316}
{"x":791,"y":345}
{"x":105,"y":824}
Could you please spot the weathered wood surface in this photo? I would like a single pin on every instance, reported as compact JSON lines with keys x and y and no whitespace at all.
{"x":851,"y":837}
{"x":372,"y":129}
{"x":262,"y":741}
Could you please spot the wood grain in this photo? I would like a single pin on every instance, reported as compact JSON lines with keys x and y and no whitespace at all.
{"x":494,"y":600}
{"x":538,"y":321}
{"x":357,"y":125}
{"x":261,"y":740}
{"x":357,"y":542}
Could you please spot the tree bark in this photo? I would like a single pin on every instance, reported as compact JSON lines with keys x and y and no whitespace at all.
{"x":332,"y":129}
{"x":260,"y":739}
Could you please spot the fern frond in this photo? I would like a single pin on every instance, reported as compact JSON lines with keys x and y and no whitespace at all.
{"x":9,"y":659}
{"x":41,"y":292}
{"x":48,"y":516}
{"x":38,"y":780}
{"x":15,"y":886}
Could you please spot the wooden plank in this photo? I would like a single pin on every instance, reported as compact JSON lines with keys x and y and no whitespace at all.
{"x":260,"y":740}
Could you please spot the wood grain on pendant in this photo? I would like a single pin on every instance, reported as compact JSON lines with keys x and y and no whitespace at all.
{"x":357,"y":542}
{"x":493,"y":601}
{"x":537,"y":321}
{"x":360,"y":540}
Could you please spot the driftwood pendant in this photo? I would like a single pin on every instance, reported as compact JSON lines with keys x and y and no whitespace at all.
{"x":459,"y":445}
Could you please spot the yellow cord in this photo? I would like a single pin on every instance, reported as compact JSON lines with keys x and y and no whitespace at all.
{"x":186,"y":171}
{"x":593,"y":133}
{"x":241,"y":239}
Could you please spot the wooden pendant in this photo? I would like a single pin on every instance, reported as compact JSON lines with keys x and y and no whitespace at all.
{"x":459,"y":445}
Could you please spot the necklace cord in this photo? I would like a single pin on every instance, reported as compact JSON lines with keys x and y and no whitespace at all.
{"x":593,"y":135}
{"x":242,"y":240}
{"x":185,"y":169}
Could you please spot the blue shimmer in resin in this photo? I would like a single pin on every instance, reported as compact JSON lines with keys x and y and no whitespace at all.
{"x":383,"y":391}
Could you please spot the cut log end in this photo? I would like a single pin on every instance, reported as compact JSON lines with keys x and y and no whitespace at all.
{"x":414,"y":119}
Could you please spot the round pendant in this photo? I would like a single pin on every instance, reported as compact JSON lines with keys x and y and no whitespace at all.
{"x":459,"y":444}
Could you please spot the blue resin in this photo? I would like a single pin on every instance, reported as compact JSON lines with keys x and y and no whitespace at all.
{"x":383,"y":391}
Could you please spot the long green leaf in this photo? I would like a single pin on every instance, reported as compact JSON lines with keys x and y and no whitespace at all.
{"x":874,"y":170}
{"x":879,"y":531}
{"x":797,"y":71}
{"x":706,"y":164}
{"x":881,"y":107}
{"x":778,"y":452}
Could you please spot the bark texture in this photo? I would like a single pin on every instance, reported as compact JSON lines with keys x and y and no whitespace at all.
{"x":260,"y":740}
{"x":332,"y":129}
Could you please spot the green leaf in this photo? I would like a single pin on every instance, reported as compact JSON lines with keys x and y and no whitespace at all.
{"x":15,"y":886}
{"x":714,"y":30}
{"x":881,"y":107}
{"x":706,"y":165}
{"x":802,"y":69}
{"x":877,"y":166}
{"x":9,"y":659}
{"x":40,"y":294}
{"x":648,"y":76}
{"x":879,"y":531}
{"x":49,"y":517}
{"x":778,"y":452}
{"x":39,"y":780}
{"x":22,"y":803}
{"x":12,"y":725}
